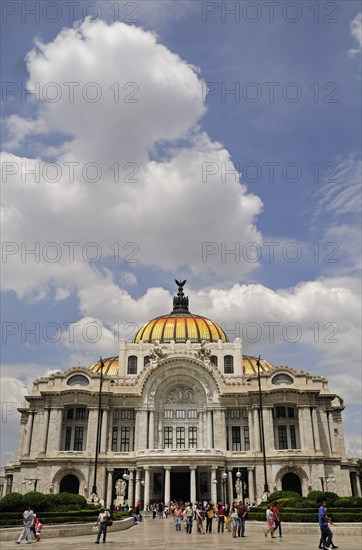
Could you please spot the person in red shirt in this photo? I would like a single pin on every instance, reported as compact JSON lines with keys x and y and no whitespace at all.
{"x":277,"y":519}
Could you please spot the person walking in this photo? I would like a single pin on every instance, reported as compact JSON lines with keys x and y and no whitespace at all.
{"x":234,"y":518}
{"x":220,"y":517}
{"x":277,"y":520}
{"x":270,"y":522}
{"x":324,"y":522}
{"x":200,"y":516}
{"x":210,"y":512}
{"x":242,"y":511}
{"x":103,"y":517}
{"x":28,"y":520}
{"x":189,"y":513}
{"x":227,"y":514}
{"x":177,"y":514}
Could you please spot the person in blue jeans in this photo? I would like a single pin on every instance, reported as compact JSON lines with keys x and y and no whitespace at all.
{"x":103,"y":517}
{"x":326,"y":533}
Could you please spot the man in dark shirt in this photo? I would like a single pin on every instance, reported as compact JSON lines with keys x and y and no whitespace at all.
{"x":324,"y":522}
{"x":242,"y":511}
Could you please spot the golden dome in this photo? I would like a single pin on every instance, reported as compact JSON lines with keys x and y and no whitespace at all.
{"x":110,"y":366}
{"x":180,"y":327}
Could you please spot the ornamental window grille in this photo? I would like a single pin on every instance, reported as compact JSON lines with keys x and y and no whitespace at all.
{"x":78,"y":438}
{"x":180,"y":437}
{"x":192,"y":436}
{"x":282,"y":437}
{"x":167,"y":437}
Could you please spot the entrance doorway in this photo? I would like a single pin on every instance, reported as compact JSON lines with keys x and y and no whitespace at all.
{"x":69,"y":484}
{"x":291,"y":482}
{"x":180,"y":486}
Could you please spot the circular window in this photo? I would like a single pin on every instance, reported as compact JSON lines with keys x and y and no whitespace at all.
{"x":78,"y":380}
{"x":282,"y":379}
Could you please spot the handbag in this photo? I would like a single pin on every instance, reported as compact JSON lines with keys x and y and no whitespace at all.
{"x":109,"y":522}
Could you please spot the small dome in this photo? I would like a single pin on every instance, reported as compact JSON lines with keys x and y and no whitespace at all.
{"x":110,"y":366}
{"x":250,"y":366}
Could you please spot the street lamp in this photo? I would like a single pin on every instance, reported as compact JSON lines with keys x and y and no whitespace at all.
{"x":224,"y":477}
{"x":262,"y":436}
{"x":99,"y":418}
{"x":327,"y":480}
{"x":31,"y":480}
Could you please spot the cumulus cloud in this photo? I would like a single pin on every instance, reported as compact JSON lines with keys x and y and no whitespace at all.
{"x":356,"y":33}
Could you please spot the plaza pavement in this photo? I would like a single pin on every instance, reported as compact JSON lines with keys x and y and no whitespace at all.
{"x":160,"y":534}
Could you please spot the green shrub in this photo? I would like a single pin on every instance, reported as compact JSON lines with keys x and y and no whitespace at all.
{"x":318,"y":496}
{"x":277,"y":495}
{"x":348,"y":502}
{"x":12,"y":502}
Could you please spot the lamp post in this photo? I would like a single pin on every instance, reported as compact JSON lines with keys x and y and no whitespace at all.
{"x":224,"y":477}
{"x":31,"y":480}
{"x":99,"y":418}
{"x":327,"y":480}
{"x":262,"y":436}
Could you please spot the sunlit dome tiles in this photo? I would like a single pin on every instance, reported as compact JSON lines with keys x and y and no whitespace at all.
{"x":180,"y":327}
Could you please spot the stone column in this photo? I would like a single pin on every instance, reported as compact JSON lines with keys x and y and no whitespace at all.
{"x":230,"y":486}
{"x":200,"y":435}
{"x":151,"y":430}
{"x":55,"y":430}
{"x":167,"y":495}
{"x":142,"y":430}
{"x":317,"y":441}
{"x":104,"y":430}
{"x":256,"y":424}
{"x":147,"y":487}
{"x":23,"y":422}
{"x":325,"y":425}
{"x":209,"y":430}
{"x":251,"y":429}
{"x":92,"y":429}
{"x":28,"y":433}
{"x":213,"y":485}
{"x":160,"y":425}
{"x":251,"y":484}
{"x":131,"y":483}
{"x":331,"y":431}
{"x":358,"y":485}
{"x":301,"y":427}
{"x":109,"y":489}
{"x":44,"y":432}
{"x":268,"y":428}
{"x":193,"y":484}
{"x":138,"y":485}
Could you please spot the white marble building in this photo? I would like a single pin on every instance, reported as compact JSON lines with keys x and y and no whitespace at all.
{"x":180,"y":416}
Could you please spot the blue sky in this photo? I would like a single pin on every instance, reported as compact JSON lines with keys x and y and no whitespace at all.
{"x":289,"y":207}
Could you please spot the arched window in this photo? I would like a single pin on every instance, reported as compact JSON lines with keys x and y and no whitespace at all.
{"x":78,"y":380}
{"x":228,"y":364}
{"x":291,"y":482}
{"x":132,"y":365}
{"x":213,"y":360}
{"x":146,"y":360}
{"x":282,"y":379}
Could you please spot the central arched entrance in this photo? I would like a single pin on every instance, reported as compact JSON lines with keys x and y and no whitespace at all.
{"x":69,"y":484}
{"x":291,"y":482}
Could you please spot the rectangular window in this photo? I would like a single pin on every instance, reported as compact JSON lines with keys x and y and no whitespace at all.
{"x":167,"y":437}
{"x":290,"y":412}
{"x":244,"y":413}
{"x":68,"y":437}
{"x":78,"y":438}
{"x":280,"y":412}
{"x":80,"y":413}
{"x":192,"y":413}
{"x":70,"y":413}
{"x":192,"y":436}
{"x":114,"y":438}
{"x":293,"y":437}
{"x":123,"y":414}
{"x":180,"y":438}
{"x":234,"y":414}
{"x":168,"y":414}
{"x":246,"y":438}
{"x":236,"y":439}
{"x":180,"y":414}
{"x":282,"y":437}
{"x":227,"y":438}
{"x":125,"y":437}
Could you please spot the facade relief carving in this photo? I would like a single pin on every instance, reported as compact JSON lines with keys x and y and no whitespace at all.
{"x":180,"y":394}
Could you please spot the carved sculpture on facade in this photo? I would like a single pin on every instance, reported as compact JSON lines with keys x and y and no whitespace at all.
{"x":121,"y":487}
{"x":239,"y":490}
{"x":204,"y":353}
{"x":181,"y":394}
{"x":157,"y":353}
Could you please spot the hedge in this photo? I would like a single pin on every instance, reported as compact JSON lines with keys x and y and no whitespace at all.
{"x":277,"y":495}
{"x":348,"y":502}
{"x":319,"y":496}
{"x":302,"y":517}
{"x":49,"y":518}
{"x":15,"y":502}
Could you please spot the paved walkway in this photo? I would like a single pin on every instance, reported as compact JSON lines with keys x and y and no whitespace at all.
{"x":161,"y":535}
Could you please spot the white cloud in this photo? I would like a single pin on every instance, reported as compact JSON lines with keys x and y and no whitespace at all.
{"x":356,"y":33}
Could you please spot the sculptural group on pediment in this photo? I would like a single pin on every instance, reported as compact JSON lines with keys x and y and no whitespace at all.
{"x":181,"y":394}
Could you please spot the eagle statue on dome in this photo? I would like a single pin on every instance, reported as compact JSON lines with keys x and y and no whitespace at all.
{"x":180,"y":302}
